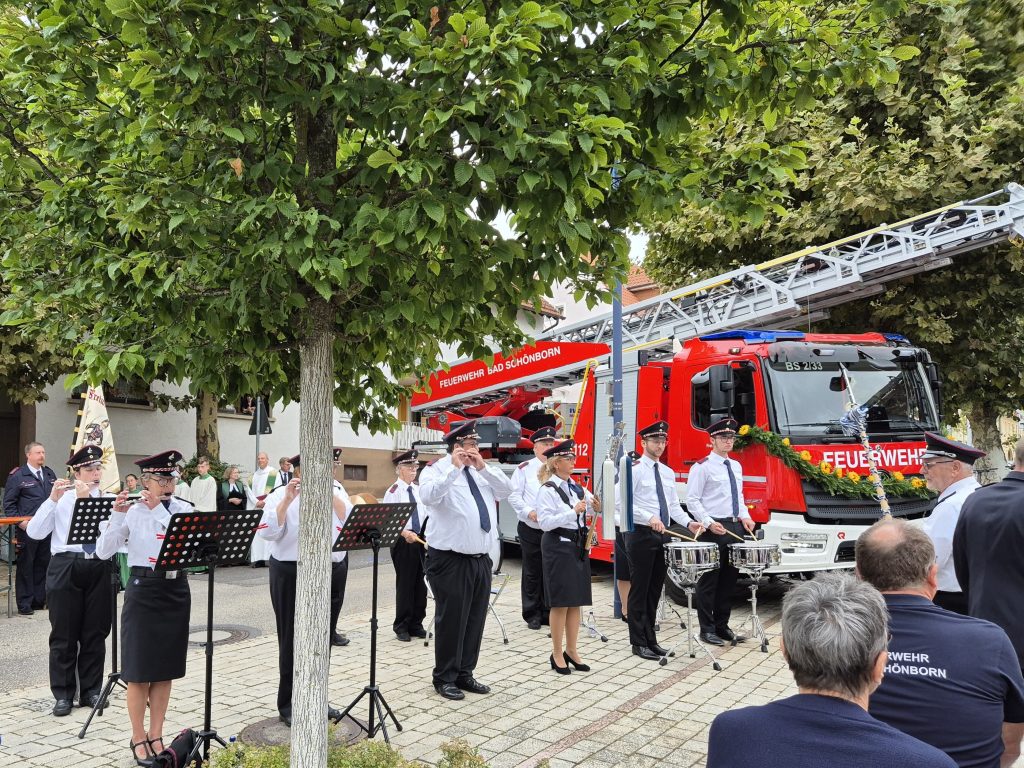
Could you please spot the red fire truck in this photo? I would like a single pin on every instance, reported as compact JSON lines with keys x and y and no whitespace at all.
{"x":784,"y":381}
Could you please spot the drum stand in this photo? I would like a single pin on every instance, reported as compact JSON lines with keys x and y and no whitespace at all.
{"x":692,"y":638}
{"x":756,"y":627}
{"x":660,"y":614}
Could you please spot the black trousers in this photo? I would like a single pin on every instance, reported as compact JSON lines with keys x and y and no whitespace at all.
{"x":33,"y":560}
{"x":535,"y":607}
{"x":339,"y":578}
{"x":282,"y":597}
{"x":462,"y":588}
{"x":952,"y":601}
{"x":410,"y":589}
{"x":79,"y":594}
{"x":646,"y":553}
{"x":714,"y":589}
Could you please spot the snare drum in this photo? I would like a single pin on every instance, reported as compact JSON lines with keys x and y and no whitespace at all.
{"x":754,"y":555}
{"x":690,"y":559}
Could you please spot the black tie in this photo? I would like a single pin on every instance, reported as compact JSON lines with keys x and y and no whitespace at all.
{"x":734,"y":492}
{"x":415,"y":515}
{"x":662,"y":501}
{"x":485,"y":518}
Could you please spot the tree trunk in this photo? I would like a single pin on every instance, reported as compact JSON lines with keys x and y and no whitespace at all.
{"x":313,"y":588}
{"x":207,"y":434}
{"x":985,"y":429}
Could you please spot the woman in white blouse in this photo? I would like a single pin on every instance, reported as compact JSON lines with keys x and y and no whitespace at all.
{"x":157,"y":603}
{"x":564,"y":509}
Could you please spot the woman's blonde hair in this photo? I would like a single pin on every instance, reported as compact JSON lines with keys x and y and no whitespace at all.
{"x":547,"y":471}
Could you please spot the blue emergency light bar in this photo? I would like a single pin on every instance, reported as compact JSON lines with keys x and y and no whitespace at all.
{"x":766,"y":337}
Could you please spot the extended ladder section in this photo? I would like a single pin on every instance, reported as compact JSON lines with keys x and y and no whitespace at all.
{"x":791,"y":289}
{"x":809,"y":281}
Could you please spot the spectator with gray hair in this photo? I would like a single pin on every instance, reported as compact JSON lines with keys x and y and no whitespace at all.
{"x":834,"y":632}
{"x":940,"y":661}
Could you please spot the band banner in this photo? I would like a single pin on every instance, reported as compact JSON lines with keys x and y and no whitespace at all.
{"x":92,"y":427}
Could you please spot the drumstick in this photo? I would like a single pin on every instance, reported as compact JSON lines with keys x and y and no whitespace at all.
{"x":419,"y":540}
{"x":678,"y":535}
{"x":738,"y":538}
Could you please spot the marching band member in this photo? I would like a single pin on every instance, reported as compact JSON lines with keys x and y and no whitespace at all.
{"x":564,"y":511}
{"x":714,"y":496}
{"x":77,"y":590}
{"x":280,"y":526}
{"x":525,"y":485}
{"x":157,"y":604}
{"x":655,"y":507}
{"x":339,"y":574}
{"x":460,"y":492}
{"x":407,"y":553}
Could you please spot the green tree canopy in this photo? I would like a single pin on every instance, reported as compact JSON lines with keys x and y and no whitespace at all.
{"x":297,"y":197}
{"x":948,"y":130}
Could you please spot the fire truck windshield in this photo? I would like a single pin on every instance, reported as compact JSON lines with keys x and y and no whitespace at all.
{"x":809,"y":397}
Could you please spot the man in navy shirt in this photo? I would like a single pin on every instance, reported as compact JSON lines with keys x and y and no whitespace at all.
{"x":952,"y":681}
{"x":25,"y":490}
{"x":833,"y":637}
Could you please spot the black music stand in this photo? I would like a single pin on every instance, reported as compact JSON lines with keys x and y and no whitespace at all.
{"x":84,"y":528}
{"x":207,"y":538}
{"x":369,"y":526}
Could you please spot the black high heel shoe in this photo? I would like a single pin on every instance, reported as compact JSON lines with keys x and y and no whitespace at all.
{"x":560,"y":670}
{"x":579,"y":666}
{"x":147,"y":760}
{"x":152,"y":748}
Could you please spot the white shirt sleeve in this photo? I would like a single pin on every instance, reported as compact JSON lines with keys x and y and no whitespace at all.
{"x":113,"y":536}
{"x":498,"y":481}
{"x":516,"y":496}
{"x":434,"y":486}
{"x":694,"y":491}
{"x":40,"y":525}
{"x":552,"y":512}
{"x":269,"y":528}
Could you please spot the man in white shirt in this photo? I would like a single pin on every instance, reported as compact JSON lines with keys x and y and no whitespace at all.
{"x":525,"y":485}
{"x":655,"y":507}
{"x":203,"y":490}
{"x":407,"y":552}
{"x":714,"y":497}
{"x":459,"y":492}
{"x":77,"y":588}
{"x":947,"y":466}
{"x":280,"y":527}
{"x":264,"y":480}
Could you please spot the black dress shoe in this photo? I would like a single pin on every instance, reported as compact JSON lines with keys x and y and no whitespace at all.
{"x":645,"y":653}
{"x":728,"y":634}
{"x":579,"y":666}
{"x":533,"y":624}
{"x":26,"y":611}
{"x":711,"y":638}
{"x":90,"y":701}
{"x":62,"y":707}
{"x":560,"y":670}
{"x":418,"y":632}
{"x":286,"y":718}
{"x":449,"y":691}
{"x":404,"y":636}
{"x":661,"y":651}
{"x":472,"y":685}
{"x":339,"y":639}
{"x":625,"y":619}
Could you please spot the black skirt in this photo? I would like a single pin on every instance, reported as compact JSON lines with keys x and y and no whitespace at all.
{"x":154,"y":629}
{"x":566,"y":576}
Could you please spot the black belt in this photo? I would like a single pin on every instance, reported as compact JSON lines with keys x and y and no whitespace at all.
{"x":149,"y":573}
{"x":567,"y":533}
{"x":460,"y":554}
{"x":74,"y":556}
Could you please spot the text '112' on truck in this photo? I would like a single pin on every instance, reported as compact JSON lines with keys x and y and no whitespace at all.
{"x":706,"y":350}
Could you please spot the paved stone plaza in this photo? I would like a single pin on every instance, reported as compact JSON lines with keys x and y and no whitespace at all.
{"x":626,"y":712}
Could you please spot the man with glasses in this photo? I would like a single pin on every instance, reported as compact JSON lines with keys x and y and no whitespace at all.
{"x":947,"y":468}
{"x":714,"y":497}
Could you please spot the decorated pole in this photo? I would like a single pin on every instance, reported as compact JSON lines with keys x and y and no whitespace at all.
{"x":855,"y":423}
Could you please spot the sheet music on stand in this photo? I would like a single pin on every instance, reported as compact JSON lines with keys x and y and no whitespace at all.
{"x":193,"y":537}
{"x":387,"y":519}
{"x":86,"y":517}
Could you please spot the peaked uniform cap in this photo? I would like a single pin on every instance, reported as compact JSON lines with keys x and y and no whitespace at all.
{"x":337,"y":454}
{"x":657,"y":429}
{"x":408,"y":457}
{"x":294,"y":460}
{"x":723,"y":427}
{"x":544,"y":433}
{"x":465,"y":431}
{"x":165,"y":463}
{"x":564,"y":448}
{"x":937,"y":445}
{"x":89,"y":454}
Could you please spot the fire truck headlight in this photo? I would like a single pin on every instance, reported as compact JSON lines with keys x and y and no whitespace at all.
{"x":793,"y":543}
